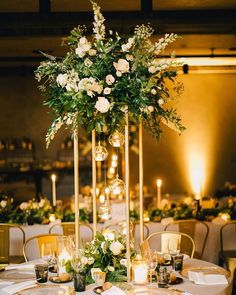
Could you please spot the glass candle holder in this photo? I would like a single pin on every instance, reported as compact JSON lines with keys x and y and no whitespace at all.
{"x":64,"y":250}
{"x":139,"y":271}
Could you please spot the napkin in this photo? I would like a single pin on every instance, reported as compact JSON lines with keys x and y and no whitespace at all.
{"x":3,"y":282}
{"x":18,"y":287}
{"x":200,"y":278}
{"x":27,"y":266}
{"x":113,"y":291}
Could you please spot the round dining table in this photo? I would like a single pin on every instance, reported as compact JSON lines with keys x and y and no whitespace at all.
{"x":185,"y":288}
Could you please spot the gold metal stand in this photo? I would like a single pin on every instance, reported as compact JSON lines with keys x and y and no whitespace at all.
{"x":94,"y":180}
{"x":141,"y":182}
{"x":76,"y":188}
{"x":127,"y":196}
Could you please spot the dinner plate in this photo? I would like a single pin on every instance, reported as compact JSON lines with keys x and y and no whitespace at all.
{"x":206,"y":270}
{"x":17,"y":275}
{"x":177,"y":281}
{"x":49,"y":289}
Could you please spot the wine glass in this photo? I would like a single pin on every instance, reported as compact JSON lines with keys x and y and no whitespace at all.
{"x":47,"y":253}
{"x":76,"y":261}
{"x":151,"y":260}
{"x":173,"y":246}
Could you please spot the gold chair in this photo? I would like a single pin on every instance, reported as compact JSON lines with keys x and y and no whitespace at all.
{"x":227,"y":255}
{"x":5,"y":243}
{"x":41,"y":240}
{"x":186,"y":243}
{"x":69,"y":230}
{"x":137,"y":228}
{"x":189,"y":227}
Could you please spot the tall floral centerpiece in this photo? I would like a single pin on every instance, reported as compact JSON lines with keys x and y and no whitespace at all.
{"x":105,"y":83}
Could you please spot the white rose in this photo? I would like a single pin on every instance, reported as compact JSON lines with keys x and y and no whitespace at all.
{"x":23,"y":206}
{"x":160,"y":102}
{"x":103,"y":247}
{"x":80,"y":52}
{"x":90,"y":260}
{"x":153,"y":91}
{"x":110,"y":79}
{"x":62,"y":79}
{"x":123,"y":262}
{"x":152,"y":69}
{"x":124,"y":47}
{"x":102,"y":104}
{"x":84,"y":260}
{"x":110,"y":268}
{"x":122,"y":65}
{"x":3,"y":203}
{"x":150,"y":109}
{"x":92,"y":52}
{"x":83,"y":40}
{"x":116,"y":248}
{"x":107,"y":90}
{"x":110,"y":236}
{"x":72,"y":86}
{"x":118,"y":74}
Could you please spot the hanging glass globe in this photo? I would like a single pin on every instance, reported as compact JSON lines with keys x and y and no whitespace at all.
{"x":116,"y":186}
{"x":116,"y":139}
{"x":100,"y":153}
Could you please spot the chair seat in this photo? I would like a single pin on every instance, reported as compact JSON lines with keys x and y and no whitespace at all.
{"x":16,"y":259}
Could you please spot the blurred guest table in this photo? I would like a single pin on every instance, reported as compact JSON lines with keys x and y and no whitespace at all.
{"x":187,"y":287}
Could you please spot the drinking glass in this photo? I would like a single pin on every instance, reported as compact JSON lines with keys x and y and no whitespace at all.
{"x":151,"y":260}
{"x":47,"y":253}
{"x":173,"y":246}
{"x":41,"y":273}
{"x":99,"y":277}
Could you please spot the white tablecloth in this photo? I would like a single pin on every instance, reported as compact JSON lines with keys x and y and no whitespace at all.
{"x":185,"y":286}
{"x":211,"y":252}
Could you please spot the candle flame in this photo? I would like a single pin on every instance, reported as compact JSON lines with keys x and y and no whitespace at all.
{"x":53,"y":177}
{"x":159,"y":182}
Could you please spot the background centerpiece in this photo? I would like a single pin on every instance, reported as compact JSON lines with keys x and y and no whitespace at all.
{"x":105,"y":83}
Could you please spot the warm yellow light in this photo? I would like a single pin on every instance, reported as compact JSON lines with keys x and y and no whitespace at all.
{"x":52,"y":217}
{"x":225,"y":216}
{"x":53,"y":177}
{"x":197,"y":197}
{"x":97,"y":191}
{"x":197,"y":171}
{"x":114,"y":164}
{"x":159,"y":182}
{"x":107,"y":191}
{"x":102,"y":199}
{"x":112,"y":170}
{"x":114,"y":157}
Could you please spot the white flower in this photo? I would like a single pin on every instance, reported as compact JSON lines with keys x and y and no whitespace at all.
{"x":116,"y":248}
{"x":110,"y":79}
{"x":90,"y":260}
{"x":41,"y":203}
{"x":153,"y":91}
{"x":72,"y":86}
{"x":23,"y":206}
{"x":62,"y":80}
{"x":103,"y":247}
{"x":80,"y":52}
{"x":35,"y":205}
{"x":123,"y":262}
{"x":3,"y":203}
{"x":88,"y":62}
{"x":109,"y":235}
{"x":83,"y":47}
{"x":110,"y":32}
{"x":92,"y":52}
{"x":152,"y":69}
{"x":107,"y":90}
{"x":150,"y":109}
{"x":110,"y":268}
{"x":121,"y":66}
{"x":102,"y":104}
{"x":160,"y":102}
{"x":84,"y":260}
{"x":124,"y":47}
{"x":83,"y":40}
{"x":118,"y":74}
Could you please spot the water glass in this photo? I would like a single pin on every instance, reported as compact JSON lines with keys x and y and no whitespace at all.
{"x":178,"y":262}
{"x":99,"y":277}
{"x":79,"y":282}
{"x":41,"y":272}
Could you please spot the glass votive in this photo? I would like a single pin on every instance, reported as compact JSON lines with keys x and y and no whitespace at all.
{"x":177,"y":261}
{"x":162,"y":277}
{"x":99,"y":277}
{"x":41,"y":273}
{"x":79,"y":282}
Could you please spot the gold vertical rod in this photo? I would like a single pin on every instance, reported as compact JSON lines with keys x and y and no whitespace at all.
{"x":127,"y":196}
{"x":94,"y":183}
{"x":76,"y":188}
{"x":141,"y":182}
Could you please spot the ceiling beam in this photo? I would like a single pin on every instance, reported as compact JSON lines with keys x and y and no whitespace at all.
{"x":146,"y":5}
{"x":44,"y":7}
{"x":59,"y":24}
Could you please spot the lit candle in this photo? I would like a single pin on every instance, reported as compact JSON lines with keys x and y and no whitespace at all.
{"x":102,"y":199}
{"x":54,"y":197}
{"x":140,"y":274}
{"x":63,"y":258}
{"x":107,"y":193}
{"x":159,"y":182}
{"x":52,"y":217}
